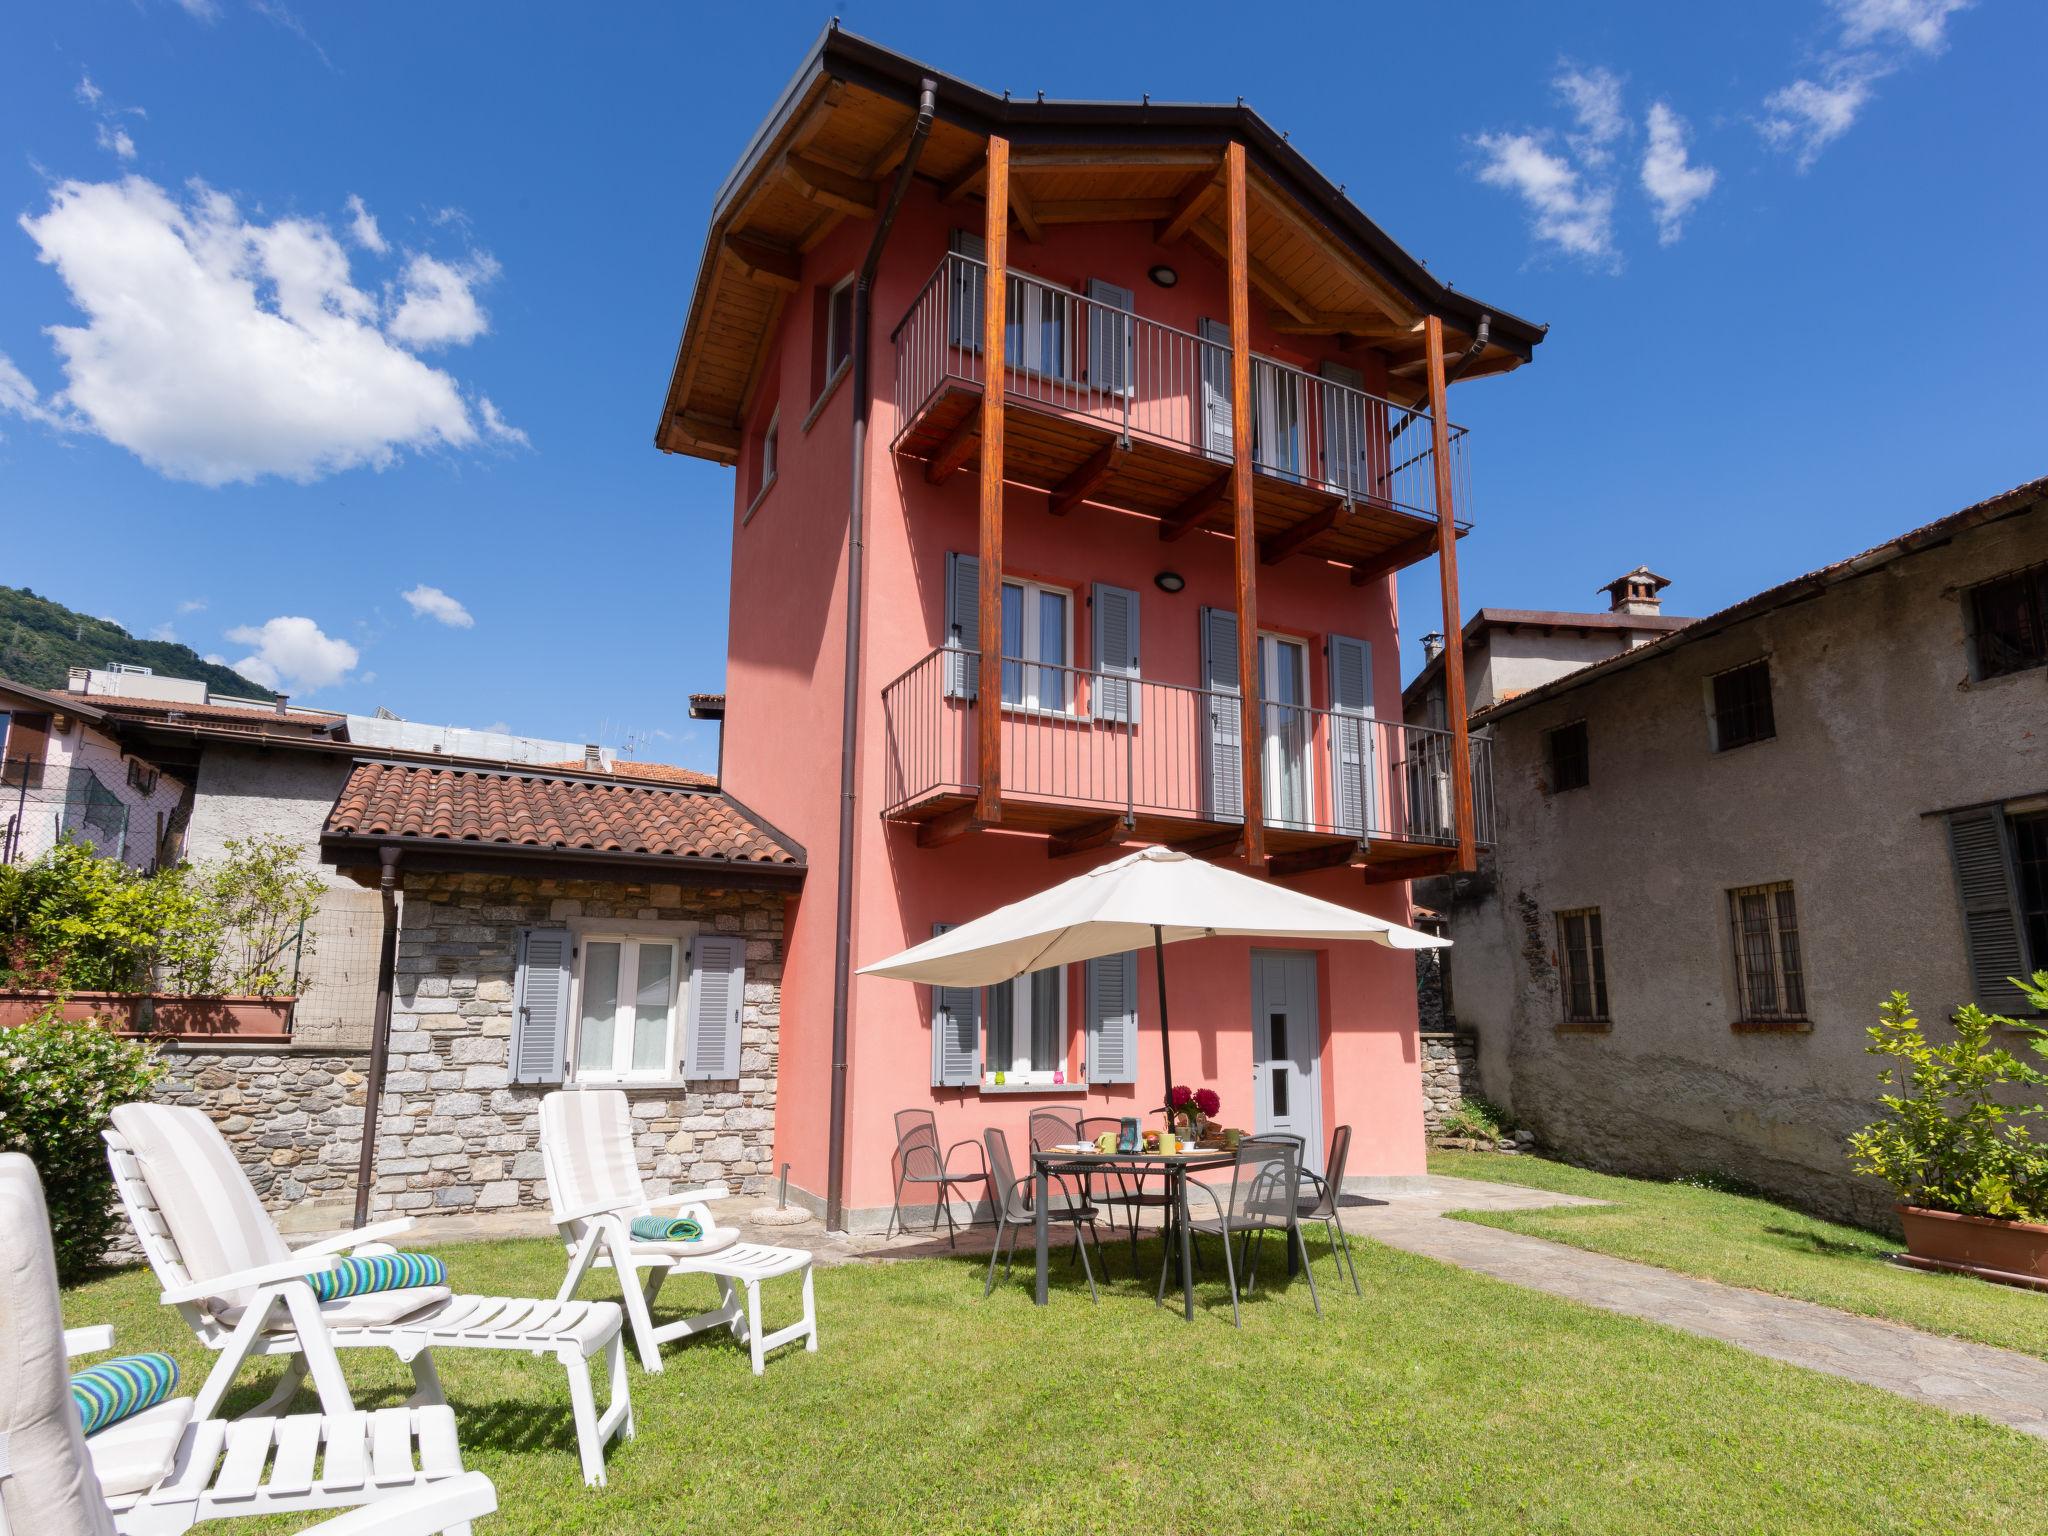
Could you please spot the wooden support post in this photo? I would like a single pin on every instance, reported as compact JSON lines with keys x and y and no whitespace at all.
{"x":1454,"y":627}
{"x":995,"y":381}
{"x":1243,"y":528}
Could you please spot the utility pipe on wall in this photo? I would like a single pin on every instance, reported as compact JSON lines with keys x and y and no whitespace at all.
{"x":849,"y":708}
{"x":380,"y":1032}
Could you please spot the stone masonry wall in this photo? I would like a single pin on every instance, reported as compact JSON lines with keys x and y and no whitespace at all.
{"x":1450,"y":1070}
{"x":456,"y":1134}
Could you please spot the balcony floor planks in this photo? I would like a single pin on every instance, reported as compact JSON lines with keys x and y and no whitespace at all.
{"x":1045,"y":444}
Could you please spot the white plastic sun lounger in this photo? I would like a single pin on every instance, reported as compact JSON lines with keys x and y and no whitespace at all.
{"x":586,"y":1145}
{"x":161,"y":1471}
{"x":222,"y":1263}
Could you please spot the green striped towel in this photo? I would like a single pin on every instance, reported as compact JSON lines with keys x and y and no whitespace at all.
{"x":668,"y":1229}
{"x":378,"y":1272}
{"x":119,"y":1389}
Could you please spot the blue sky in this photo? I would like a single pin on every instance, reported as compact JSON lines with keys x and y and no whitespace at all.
{"x":1790,"y":253}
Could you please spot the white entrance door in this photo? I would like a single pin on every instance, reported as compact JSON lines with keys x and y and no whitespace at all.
{"x":1287,"y":1075}
{"x":1283,"y":684}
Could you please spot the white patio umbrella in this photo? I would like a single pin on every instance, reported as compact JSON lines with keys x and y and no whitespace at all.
{"x":1154,"y":894}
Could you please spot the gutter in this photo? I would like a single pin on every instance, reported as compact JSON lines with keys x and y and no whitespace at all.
{"x":380,"y":1032}
{"x":849,"y":707}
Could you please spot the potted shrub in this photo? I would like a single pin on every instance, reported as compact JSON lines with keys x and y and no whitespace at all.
{"x":76,"y":933}
{"x":1959,"y":1140}
{"x":237,"y":967}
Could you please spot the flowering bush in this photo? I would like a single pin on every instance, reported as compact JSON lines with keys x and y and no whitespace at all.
{"x":59,"y":1081}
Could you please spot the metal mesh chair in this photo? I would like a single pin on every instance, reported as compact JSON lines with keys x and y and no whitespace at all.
{"x":1120,"y":1190}
{"x":1014,"y":1211}
{"x":1329,"y":1190}
{"x":919,"y":1161}
{"x":1264,"y":1195}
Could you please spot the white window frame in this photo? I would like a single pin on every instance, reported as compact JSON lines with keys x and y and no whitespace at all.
{"x":1024,"y":341}
{"x":682,"y":983}
{"x":1030,"y":659}
{"x":1023,"y":990}
{"x":770,"y":463}
{"x":1276,"y":745}
{"x":832,"y":336}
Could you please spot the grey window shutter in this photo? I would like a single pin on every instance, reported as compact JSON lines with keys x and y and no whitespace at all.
{"x":956,"y":1033}
{"x":1344,"y":462}
{"x":540,"y":1005}
{"x":1351,"y":733}
{"x":965,"y":289}
{"x":718,"y":992}
{"x":1224,"y":780}
{"x":1978,"y":842}
{"x":1112,"y":1003}
{"x":963,"y":626}
{"x":1216,"y":434}
{"x":1110,"y":337}
{"x":1116,"y":652}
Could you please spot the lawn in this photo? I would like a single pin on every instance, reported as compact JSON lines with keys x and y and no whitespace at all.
{"x":1442,"y":1398}
{"x":1755,"y":1243}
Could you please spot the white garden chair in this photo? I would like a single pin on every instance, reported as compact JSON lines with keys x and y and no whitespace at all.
{"x":594,"y":1187}
{"x":165,"y":1469}
{"x":222,"y":1263}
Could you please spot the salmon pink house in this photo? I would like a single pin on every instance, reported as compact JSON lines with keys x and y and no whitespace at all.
{"x":1077,"y":447}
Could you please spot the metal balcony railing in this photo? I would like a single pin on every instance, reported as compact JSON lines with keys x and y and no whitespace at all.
{"x":1136,"y":747}
{"x":1068,"y":353}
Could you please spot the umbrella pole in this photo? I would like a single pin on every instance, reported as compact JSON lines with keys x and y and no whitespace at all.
{"x":1165,"y":1033}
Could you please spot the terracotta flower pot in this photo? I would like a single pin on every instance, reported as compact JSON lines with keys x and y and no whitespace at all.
{"x":236,"y":1018}
{"x":120,"y":1010}
{"x":2011,"y":1252}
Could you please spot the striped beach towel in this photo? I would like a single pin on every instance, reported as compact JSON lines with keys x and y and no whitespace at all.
{"x":118,"y":1389}
{"x":667,"y":1229}
{"x":378,"y":1272}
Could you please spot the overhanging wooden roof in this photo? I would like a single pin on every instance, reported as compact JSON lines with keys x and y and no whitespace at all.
{"x":843,"y":124}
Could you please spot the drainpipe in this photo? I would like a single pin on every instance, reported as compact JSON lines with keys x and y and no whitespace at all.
{"x":849,"y":707}
{"x":1465,"y":360}
{"x":380,"y":1032}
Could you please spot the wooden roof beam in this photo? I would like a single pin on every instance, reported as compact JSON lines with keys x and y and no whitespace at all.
{"x":760,"y":261}
{"x":1022,"y":216}
{"x":1088,"y":479}
{"x":948,"y":827}
{"x":1262,"y":277}
{"x":1384,"y":294}
{"x":1103,"y":210}
{"x":1275,"y":547}
{"x":1046,"y":157}
{"x":831,"y":188}
{"x":1184,"y":518}
{"x":1191,"y":203}
{"x":960,"y":446}
{"x":969,"y":181}
{"x":1402,"y":555}
{"x":708,"y":430}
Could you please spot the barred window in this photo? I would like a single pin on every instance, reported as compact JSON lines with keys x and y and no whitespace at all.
{"x":1571,"y":763}
{"x":2009,"y":623}
{"x":1770,"y":981}
{"x":1742,"y":706}
{"x":1583,"y":961}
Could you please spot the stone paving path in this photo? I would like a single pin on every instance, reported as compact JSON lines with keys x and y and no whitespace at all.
{"x":1963,"y":1377}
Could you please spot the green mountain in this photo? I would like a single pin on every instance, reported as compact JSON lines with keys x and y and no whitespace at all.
{"x":41,"y":641}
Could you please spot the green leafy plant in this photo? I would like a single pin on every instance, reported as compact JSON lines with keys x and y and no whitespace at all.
{"x":255,"y":903}
{"x":59,"y":1081}
{"x":73,"y":921}
{"x":1956,"y":1134}
{"x":1478,"y":1119}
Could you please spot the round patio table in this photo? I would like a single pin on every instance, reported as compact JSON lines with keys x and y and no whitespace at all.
{"x":1175,"y":1166}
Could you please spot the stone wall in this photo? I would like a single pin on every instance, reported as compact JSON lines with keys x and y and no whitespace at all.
{"x":1450,"y":1070}
{"x":293,"y":1114}
{"x":455,"y":1134}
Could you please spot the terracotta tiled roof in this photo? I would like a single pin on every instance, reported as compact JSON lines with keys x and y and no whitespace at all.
{"x":545,"y":813}
{"x":646,"y":773}
{"x":117,"y":704}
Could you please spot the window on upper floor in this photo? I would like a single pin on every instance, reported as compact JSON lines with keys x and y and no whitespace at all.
{"x":766,"y":463}
{"x":1741,"y":706}
{"x":2008,"y":621}
{"x":831,"y":334}
{"x":2000,"y":857}
{"x":1770,"y":979}
{"x":1582,"y":966}
{"x":1569,"y":759}
{"x":1038,"y":646}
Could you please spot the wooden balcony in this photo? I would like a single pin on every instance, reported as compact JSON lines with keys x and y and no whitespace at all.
{"x":1103,"y":405}
{"x":1089,"y":759}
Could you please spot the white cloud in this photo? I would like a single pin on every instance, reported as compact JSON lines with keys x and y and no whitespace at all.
{"x":432,"y":603}
{"x":1568,"y":213}
{"x":193,"y":605}
{"x":497,"y":728}
{"x":362,"y":224}
{"x":18,"y":396}
{"x":109,"y":134}
{"x":1920,"y":24}
{"x":214,"y":659}
{"x":497,"y":426}
{"x":164,"y":631}
{"x":219,"y":349}
{"x":437,"y":305}
{"x":1594,"y":96}
{"x":87,"y":93}
{"x":292,"y":653}
{"x":1809,"y":116}
{"x":116,"y":140}
{"x":1674,"y":183}
{"x":201,"y":10}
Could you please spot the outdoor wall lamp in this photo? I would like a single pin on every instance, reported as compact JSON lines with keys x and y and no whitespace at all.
{"x":1164,"y":275}
{"x":1169,"y":581}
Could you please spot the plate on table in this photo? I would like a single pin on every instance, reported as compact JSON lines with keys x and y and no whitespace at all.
{"x":1076,"y":1148}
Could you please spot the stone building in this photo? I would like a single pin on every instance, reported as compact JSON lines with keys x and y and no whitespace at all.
{"x":1719,"y":851}
{"x":557,"y":928}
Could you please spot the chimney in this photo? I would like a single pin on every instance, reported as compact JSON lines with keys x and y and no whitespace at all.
{"x":78,"y":680}
{"x":593,"y":758}
{"x":1432,"y":646}
{"x":282,"y":700}
{"x":1638,"y":593}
